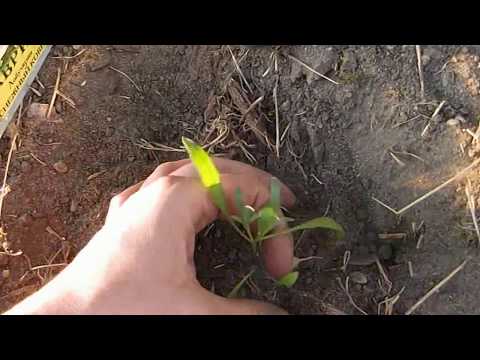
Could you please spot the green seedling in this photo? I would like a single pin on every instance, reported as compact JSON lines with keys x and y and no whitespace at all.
{"x":253,"y":225}
{"x":289,"y":280}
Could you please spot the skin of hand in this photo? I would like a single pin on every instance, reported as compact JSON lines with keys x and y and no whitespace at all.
{"x":141,"y":261}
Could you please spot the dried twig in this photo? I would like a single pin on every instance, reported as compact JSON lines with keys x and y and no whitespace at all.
{"x":347,"y":292}
{"x":277,"y":120}
{"x":94,"y":175}
{"x":35,"y":91}
{"x":431,"y":192}
{"x":392,"y":236}
{"x":390,"y":302}
{"x":54,"y":233}
{"x":437,"y":287}
{"x":406,"y":121}
{"x":239,"y":70}
{"x":67,"y":99}
{"x":317,"y":179}
{"x":420,"y":71}
{"x":312,"y":70}
{"x":144,"y":144}
{"x":410,"y":269}
{"x":399,"y":162}
{"x":37,"y":159}
{"x":384,"y":275}
{"x":70,"y":57}
{"x":55,"y":92}
{"x":419,"y":241}
{"x":127,"y":77}
{"x":471,"y":206}
{"x":47,"y":266}
{"x":7,"y":167}
{"x":435,"y":113}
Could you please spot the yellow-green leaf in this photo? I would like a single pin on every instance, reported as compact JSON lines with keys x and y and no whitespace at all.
{"x":289,"y":280}
{"x":203,"y":163}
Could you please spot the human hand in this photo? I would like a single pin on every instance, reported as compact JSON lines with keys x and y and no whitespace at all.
{"x":141,"y":261}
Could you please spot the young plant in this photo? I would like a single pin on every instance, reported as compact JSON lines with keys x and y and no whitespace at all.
{"x":253,"y":225}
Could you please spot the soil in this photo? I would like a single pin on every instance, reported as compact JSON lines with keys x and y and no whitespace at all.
{"x":344,"y":145}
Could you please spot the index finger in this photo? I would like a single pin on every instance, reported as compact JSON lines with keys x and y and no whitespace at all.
{"x":226,"y":166}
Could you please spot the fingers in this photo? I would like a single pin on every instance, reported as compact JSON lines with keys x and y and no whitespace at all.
{"x":213,"y":304}
{"x":277,"y":255}
{"x":251,"y":307}
{"x":165,"y":169}
{"x":118,"y":200}
{"x":251,"y":174}
{"x":255,"y":190}
{"x":277,"y":252}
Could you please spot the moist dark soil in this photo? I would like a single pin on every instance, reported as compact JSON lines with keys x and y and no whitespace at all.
{"x":372,"y":135}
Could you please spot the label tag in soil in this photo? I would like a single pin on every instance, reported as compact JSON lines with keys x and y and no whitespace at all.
{"x":19,"y":65}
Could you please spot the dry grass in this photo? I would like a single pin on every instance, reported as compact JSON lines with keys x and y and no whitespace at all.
{"x":420,"y":71}
{"x":458,"y":176}
{"x":436,"y":287}
{"x":127,"y":77}
{"x":55,"y":93}
{"x":471,"y":206}
{"x":346,"y":289}
{"x":312,"y":70}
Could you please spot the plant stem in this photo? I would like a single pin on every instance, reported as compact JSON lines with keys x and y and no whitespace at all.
{"x":240,"y":232}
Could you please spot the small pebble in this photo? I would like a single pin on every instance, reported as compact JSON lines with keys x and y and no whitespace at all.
{"x":73,"y":205}
{"x":109,"y":131}
{"x":358,"y":277}
{"x":385,"y":252}
{"x":425,"y":59}
{"x":6,"y":245}
{"x":131,"y":158}
{"x":6,"y":274}
{"x":285,"y":106}
{"x":77,"y":47}
{"x":460,"y":118}
{"x":453,"y":122}
{"x":60,"y":167}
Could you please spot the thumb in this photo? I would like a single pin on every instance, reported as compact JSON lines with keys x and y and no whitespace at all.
{"x":213,"y":304}
{"x":251,"y":307}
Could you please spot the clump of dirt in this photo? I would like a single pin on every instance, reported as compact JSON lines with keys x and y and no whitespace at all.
{"x":372,"y":135}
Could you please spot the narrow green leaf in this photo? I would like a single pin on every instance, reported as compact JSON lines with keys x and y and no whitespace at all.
{"x":289,"y":280}
{"x":239,"y":202}
{"x":203,"y":163}
{"x":267,"y":219}
{"x":218,"y":197}
{"x":323,"y":223}
{"x":208,"y":173}
{"x":237,"y":287}
{"x":245,"y":212}
{"x":275,"y":194}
